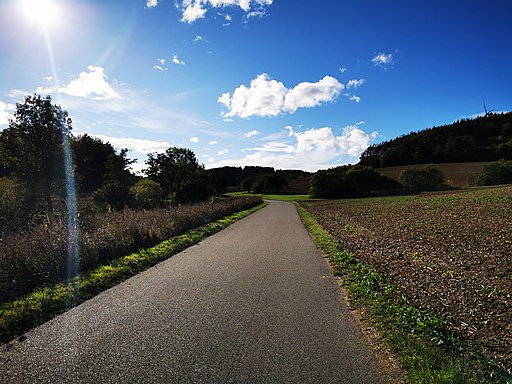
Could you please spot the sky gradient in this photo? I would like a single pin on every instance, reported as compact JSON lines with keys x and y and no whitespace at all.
{"x":292,"y":84}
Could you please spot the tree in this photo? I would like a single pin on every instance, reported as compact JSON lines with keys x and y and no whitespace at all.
{"x":115,"y":191}
{"x":269,"y":183}
{"x":182,"y":178}
{"x":495,"y":173}
{"x":33,"y":144}
{"x":427,"y":178}
{"x":91,"y":156}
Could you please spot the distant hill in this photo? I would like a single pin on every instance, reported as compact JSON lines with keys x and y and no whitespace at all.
{"x":485,"y":138}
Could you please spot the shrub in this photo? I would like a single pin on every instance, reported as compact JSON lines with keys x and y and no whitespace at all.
{"x":13,"y":203}
{"x":351,"y":181}
{"x":427,"y":178}
{"x":499,"y":172}
{"x":147,"y":194}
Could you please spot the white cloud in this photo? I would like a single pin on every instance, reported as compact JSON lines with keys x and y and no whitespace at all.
{"x":384,"y":60}
{"x":176,"y":60}
{"x":140,"y":146}
{"x":355,"y":98}
{"x":343,"y":69}
{"x":355,"y":83}
{"x":310,"y":150}
{"x":93,"y":84}
{"x":151,"y":3}
{"x":159,"y":68}
{"x":196,"y":9}
{"x":199,"y":38}
{"x":267,"y":97}
{"x":6,"y":112}
{"x":194,"y":139}
{"x":213,"y":142}
{"x":251,"y":133}
{"x":223,"y":152}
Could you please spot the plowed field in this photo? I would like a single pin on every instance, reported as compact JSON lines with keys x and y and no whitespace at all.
{"x":450,"y":254}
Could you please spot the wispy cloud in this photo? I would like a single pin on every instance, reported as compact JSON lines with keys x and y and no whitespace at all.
{"x":223,"y":152}
{"x":251,"y":134}
{"x":200,"y":38}
{"x":355,"y":83}
{"x":383,"y":60}
{"x":193,"y":10}
{"x":312,"y":149}
{"x":176,"y":60}
{"x":343,"y":69}
{"x":267,"y":97}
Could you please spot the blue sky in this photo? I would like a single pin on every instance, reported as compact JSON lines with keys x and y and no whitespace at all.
{"x":296,"y":84}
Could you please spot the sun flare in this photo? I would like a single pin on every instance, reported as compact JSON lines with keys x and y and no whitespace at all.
{"x":43,"y":12}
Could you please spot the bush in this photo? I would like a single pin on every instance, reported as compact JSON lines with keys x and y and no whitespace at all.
{"x":351,"y":181}
{"x":496,"y":173}
{"x":14,"y":203}
{"x":427,"y":178}
{"x":147,"y":194}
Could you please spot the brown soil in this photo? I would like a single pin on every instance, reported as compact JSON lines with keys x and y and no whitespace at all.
{"x":450,"y":254}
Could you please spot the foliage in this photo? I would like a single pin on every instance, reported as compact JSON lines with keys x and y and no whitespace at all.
{"x":485,"y":138}
{"x":13,"y":203}
{"x":33,"y":144}
{"x":182,"y":178}
{"x":39,"y":257}
{"x":146,"y":194}
{"x":91,"y":156}
{"x":269,"y":183}
{"x":115,"y":191}
{"x":427,"y":178}
{"x":499,"y":172}
{"x":350,"y":181}
{"x":44,"y":303}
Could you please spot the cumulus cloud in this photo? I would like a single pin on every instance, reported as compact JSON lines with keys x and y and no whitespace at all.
{"x":196,"y":9}
{"x":267,"y":97}
{"x":251,"y":134}
{"x":355,"y":83}
{"x":384,"y":60}
{"x":151,"y":3}
{"x":194,"y":139}
{"x":313,"y":149}
{"x":176,"y":60}
{"x":213,"y":142}
{"x":92,"y":84}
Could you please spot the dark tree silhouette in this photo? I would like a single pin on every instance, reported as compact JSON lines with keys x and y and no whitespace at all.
{"x":33,"y":144}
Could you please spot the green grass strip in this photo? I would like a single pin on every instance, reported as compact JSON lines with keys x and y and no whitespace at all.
{"x":426,"y":350}
{"x":43,"y":304}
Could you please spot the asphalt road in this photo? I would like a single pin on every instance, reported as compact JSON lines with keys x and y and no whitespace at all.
{"x":253,"y":303}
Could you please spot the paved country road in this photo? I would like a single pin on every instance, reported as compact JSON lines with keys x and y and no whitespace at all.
{"x":253,"y":303}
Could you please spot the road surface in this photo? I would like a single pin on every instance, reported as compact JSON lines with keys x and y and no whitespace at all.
{"x":253,"y":303}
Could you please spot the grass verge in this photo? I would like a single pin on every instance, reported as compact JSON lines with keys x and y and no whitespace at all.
{"x":43,"y":304}
{"x":427,"y":351}
{"x":291,"y":198}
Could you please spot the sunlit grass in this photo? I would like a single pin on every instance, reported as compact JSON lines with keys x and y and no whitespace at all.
{"x":18,"y":316}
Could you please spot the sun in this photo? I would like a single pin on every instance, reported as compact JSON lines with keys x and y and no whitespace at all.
{"x":43,"y":12}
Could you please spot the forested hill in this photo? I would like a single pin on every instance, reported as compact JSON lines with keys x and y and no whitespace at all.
{"x":485,"y":138}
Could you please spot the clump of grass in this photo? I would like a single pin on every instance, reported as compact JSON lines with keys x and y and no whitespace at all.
{"x":45,"y":303}
{"x":38,"y":257}
{"x":428,"y":352}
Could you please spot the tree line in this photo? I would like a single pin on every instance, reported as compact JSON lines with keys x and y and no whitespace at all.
{"x":485,"y":138}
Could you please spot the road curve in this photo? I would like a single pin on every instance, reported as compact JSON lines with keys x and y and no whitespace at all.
{"x":253,"y":303}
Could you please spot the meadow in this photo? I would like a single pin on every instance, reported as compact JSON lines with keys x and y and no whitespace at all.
{"x":38,"y":257}
{"x":449,"y":254}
